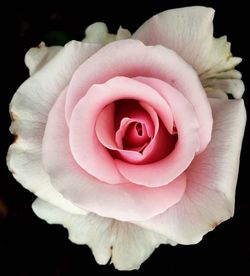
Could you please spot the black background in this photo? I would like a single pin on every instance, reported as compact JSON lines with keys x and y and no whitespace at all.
{"x":28,"y":245}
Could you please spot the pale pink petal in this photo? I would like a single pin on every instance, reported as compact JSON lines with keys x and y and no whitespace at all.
{"x":88,"y":152}
{"x":211,"y":180}
{"x":105,"y":127}
{"x":164,"y":171}
{"x":126,"y":244}
{"x":122,"y":201}
{"x":132,"y":58}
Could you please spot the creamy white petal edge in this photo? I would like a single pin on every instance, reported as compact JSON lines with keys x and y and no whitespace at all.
{"x":126,"y":245}
{"x":211,"y":180}
{"x":98,"y":33}
{"x":189,"y":32}
{"x":37,"y":57}
{"x":51,"y":70}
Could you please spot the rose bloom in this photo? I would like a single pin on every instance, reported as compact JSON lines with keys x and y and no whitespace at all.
{"x":131,"y":141}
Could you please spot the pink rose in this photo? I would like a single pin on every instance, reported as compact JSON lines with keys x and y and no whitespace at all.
{"x":134,"y":143}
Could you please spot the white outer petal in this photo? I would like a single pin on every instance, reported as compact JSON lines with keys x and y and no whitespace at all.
{"x":232,"y":86}
{"x":30,"y":107}
{"x":98,"y":33}
{"x":126,"y":244}
{"x":37,"y":57}
{"x":123,"y":34}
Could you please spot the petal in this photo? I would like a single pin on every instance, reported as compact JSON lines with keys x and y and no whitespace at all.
{"x":216,"y":93}
{"x":131,"y":58}
{"x":98,"y":33}
{"x":123,"y":34}
{"x":126,"y":244}
{"x":88,"y":152}
{"x":189,"y":32}
{"x":121,"y":201}
{"x":29,"y":109}
{"x":211,"y":180}
{"x":235,"y":87}
{"x":217,"y":84}
{"x":37,"y":57}
{"x":105,"y":129}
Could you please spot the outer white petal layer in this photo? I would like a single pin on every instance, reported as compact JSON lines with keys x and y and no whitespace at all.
{"x":189,"y":32}
{"x":98,"y":33}
{"x":29,"y":109}
{"x":126,"y":244}
{"x":211,"y":180}
{"x":37,"y":57}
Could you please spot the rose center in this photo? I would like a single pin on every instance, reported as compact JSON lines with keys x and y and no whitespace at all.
{"x":138,"y":127}
{"x":136,"y":137}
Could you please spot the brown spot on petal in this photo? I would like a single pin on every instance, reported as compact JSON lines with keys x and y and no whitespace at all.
{"x":15,"y":138}
{"x":214,"y":224}
{"x":13,"y":116}
{"x":13,"y":173}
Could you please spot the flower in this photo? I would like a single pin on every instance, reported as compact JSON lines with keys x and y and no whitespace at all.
{"x":131,"y":141}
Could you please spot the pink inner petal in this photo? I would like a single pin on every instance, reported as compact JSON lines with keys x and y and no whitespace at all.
{"x":120,"y":133}
{"x":136,"y":136}
{"x":105,"y":126}
{"x":106,"y":136}
{"x":87,"y":150}
{"x":134,"y":110}
{"x":105,"y":132}
{"x":123,"y":202}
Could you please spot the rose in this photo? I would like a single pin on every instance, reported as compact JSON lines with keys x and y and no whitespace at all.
{"x":121,"y":143}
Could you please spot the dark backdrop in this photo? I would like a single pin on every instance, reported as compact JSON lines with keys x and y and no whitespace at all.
{"x":28,"y":245}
